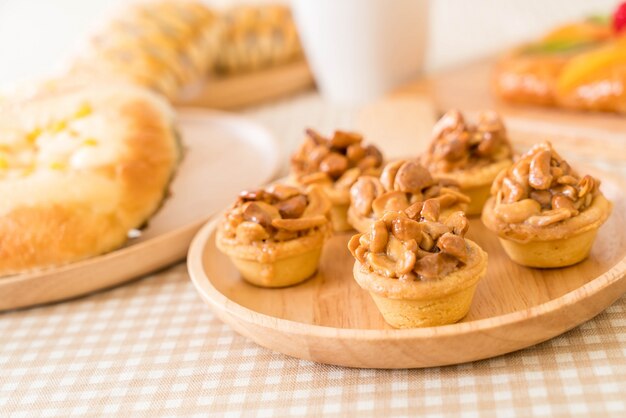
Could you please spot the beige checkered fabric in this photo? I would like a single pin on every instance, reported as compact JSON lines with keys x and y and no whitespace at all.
{"x":153,"y":348}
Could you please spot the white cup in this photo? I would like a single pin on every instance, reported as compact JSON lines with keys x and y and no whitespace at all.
{"x":360,"y":49}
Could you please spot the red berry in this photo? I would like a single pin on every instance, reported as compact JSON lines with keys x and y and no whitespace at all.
{"x":619,"y":18}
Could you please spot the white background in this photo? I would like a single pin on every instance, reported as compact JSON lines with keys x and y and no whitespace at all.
{"x":36,"y":35}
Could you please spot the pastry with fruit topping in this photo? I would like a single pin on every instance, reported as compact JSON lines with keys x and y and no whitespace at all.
{"x":544,"y":212}
{"x":419,"y":270}
{"x":335,"y":163}
{"x":402,"y":183}
{"x":80,"y":167}
{"x":579,"y":65}
{"x":472,"y":155}
{"x":274,"y":236}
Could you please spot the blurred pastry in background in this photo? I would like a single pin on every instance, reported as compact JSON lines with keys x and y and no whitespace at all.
{"x":580,"y":65}
{"x":80,"y":167}
{"x":173,"y":47}
{"x":164,"y":45}
{"x":471,"y":155}
{"x":257,"y":37}
{"x":335,"y":164}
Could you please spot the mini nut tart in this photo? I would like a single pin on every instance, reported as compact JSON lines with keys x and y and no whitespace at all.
{"x":419,"y":271}
{"x":470,"y":154}
{"x":545,"y":214}
{"x":402,"y":183}
{"x":335,"y":164}
{"x":274,"y":236}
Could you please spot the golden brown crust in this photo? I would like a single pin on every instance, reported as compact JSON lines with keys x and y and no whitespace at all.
{"x":163,"y":45}
{"x":248,"y":30}
{"x":528,"y":79}
{"x":61,"y":226}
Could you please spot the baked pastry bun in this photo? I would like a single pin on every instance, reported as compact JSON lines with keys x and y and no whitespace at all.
{"x":401,"y":183}
{"x":544,"y":212}
{"x":168,"y":46}
{"x":275,"y":236}
{"x":174,"y":46}
{"x":335,"y":164}
{"x":419,"y":271}
{"x":79,"y":168}
{"x":256,"y":37}
{"x":469,"y":154}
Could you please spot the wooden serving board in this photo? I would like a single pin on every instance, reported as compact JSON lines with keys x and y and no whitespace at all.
{"x":468,"y":88}
{"x":247,"y":89}
{"x":216,"y":146}
{"x":330,"y":319}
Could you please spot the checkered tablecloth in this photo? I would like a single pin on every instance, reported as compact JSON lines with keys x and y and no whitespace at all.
{"x":152,"y":347}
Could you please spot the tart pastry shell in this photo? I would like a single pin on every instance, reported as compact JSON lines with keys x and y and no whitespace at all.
{"x":275,"y":264}
{"x":563,"y":244}
{"x":425,"y":303}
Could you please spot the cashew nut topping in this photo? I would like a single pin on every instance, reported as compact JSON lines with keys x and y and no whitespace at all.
{"x":541,"y":189}
{"x":402,"y":184}
{"x":413,"y":244}
{"x":277,"y":213}
{"x":320,"y":159}
{"x":459,"y":145}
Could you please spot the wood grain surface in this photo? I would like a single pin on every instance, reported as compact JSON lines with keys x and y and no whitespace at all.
{"x":330,"y":319}
{"x":236,"y":91}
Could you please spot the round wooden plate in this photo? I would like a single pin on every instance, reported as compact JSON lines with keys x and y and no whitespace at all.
{"x":330,"y":319}
{"x":216,"y":146}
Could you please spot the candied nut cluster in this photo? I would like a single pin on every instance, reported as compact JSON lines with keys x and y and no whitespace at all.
{"x":412,"y":244}
{"x":278,"y":213}
{"x":541,"y":189}
{"x":401,"y":184}
{"x":340,"y":159}
{"x":459,"y":145}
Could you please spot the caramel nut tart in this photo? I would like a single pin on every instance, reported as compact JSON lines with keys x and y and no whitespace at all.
{"x":335,"y":164}
{"x":419,"y":271}
{"x":275,"y":236}
{"x":470,"y":154}
{"x":545,"y":214}
{"x":401,"y":184}
{"x":79,"y":168}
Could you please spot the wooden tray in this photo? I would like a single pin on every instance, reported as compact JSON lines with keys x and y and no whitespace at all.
{"x":247,"y":89}
{"x":330,"y":319}
{"x":216,"y":146}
